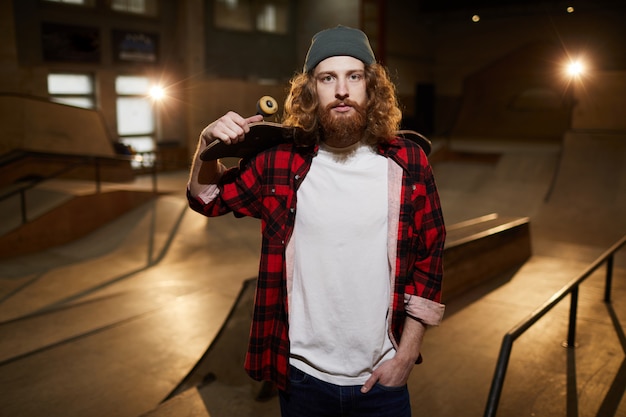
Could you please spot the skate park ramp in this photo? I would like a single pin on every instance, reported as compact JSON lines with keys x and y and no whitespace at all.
{"x":589,"y":192}
{"x":558,"y":144}
{"x":115,"y":322}
{"x":35,"y":124}
{"x":101,"y":326}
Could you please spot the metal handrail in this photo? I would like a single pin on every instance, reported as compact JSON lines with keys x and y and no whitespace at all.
{"x":76,"y":161}
{"x":571,"y":288}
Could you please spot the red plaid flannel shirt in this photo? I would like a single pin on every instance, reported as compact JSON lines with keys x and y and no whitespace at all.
{"x":265,"y":188}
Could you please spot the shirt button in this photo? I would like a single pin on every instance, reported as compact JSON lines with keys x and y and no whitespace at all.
{"x":273,"y":190}
{"x":292,"y":209}
{"x":297,"y":177}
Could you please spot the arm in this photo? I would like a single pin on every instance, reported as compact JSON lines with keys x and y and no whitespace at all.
{"x":423,"y":290}
{"x":230,"y":128}
{"x":395,"y":372}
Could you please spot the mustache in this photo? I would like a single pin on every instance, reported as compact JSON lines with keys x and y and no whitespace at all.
{"x":346,"y":101}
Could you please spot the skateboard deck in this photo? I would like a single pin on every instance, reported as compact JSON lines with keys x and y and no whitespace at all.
{"x":264,"y":135}
{"x":418,"y":138}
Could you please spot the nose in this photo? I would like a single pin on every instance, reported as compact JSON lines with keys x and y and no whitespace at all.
{"x":341,"y":89}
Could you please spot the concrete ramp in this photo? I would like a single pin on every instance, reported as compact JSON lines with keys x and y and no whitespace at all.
{"x":515,"y":182}
{"x":587,"y":203}
{"x":36,"y":124}
{"x":73,"y":219}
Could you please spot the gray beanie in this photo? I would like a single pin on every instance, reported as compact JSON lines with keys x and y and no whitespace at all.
{"x":338,"y":41}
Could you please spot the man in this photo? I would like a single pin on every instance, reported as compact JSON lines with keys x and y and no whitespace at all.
{"x":351,"y":263}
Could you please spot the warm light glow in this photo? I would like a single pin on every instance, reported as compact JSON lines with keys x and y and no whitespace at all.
{"x":575,"y":68}
{"x":570,"y":9}
{"x":475,"y":18}
{"x":157,"y":92}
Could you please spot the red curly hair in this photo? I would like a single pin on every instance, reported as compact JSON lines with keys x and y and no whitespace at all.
{"x":383,"y":113}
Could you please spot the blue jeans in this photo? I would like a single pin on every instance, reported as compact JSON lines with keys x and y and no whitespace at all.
{"x":310,"y":397}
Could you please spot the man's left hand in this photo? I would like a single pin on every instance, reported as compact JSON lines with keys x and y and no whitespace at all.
{"x":393,"y":373}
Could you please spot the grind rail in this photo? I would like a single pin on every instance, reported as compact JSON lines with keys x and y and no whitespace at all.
{"x":571,"y":288}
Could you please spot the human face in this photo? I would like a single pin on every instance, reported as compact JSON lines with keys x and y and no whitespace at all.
{"x":339,"y":80}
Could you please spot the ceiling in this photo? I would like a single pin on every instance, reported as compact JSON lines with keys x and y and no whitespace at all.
{"x":477,"y":5}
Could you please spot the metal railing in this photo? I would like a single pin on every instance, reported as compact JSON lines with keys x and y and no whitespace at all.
{"x":571,"y":288}
{"x":72,"y":162}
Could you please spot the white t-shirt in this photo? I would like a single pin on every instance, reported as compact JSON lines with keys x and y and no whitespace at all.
{"x":339,"y":300}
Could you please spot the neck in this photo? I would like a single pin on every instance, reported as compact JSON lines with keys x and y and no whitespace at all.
{"x":340,"y":147}
{"x":343,"y":153}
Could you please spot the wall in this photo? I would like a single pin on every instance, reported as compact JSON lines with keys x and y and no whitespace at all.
{"x":313,"y":16}
{"x":22,"y":54}
{"x":9,"y":79}
{"x":211,"y":96}
{"x":518,"y":97}
{"x":253,"y":55}
{"x":461,"y":48}
{"x":600,"y":102}
{"x":438,"y":49}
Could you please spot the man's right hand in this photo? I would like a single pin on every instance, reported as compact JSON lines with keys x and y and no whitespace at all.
{"x":230,"y":128}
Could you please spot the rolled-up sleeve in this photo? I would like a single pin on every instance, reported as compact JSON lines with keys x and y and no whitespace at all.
{"x":424,"y":310}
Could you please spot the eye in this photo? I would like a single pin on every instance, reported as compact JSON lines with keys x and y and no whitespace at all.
{"x":326,"y":78}
{"x":357,"y":76}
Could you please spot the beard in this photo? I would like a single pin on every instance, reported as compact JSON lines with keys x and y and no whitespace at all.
{"x":342,"y":130}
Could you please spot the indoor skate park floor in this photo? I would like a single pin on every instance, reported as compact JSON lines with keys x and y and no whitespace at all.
{"x":111,"y":324}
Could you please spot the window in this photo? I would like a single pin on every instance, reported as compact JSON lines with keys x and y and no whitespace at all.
{"x":144,"y":7}
{"x":251,"y":15}
{"x":72,"y":89}
{"x":88,"y":3}
{"x":135,"y":115}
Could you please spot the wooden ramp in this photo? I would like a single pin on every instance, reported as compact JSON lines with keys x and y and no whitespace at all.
{"x":74,"y":219}
{"x":481,"y":249}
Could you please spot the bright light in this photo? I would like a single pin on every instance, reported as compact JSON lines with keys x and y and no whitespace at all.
{"x":476,"y":18}
{"x":157,"y":92}
{"x":575,"y":69}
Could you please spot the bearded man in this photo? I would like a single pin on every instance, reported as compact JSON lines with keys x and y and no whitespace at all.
{"x":352,"y":237}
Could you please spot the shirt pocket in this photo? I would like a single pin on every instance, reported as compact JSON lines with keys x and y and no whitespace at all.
{"x":275,"y":210}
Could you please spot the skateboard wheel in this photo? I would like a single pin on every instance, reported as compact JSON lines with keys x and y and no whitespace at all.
{"x":267,"y":106}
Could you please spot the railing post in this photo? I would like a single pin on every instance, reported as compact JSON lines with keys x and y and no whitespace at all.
{"x":571,"y":334}
{"x":498,"y":378}
{"x":609,"y":279}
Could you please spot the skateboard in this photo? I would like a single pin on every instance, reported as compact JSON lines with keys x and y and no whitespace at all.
{"x":264,"y":135}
